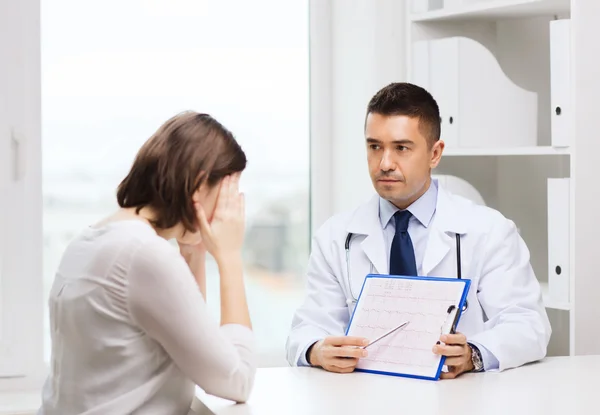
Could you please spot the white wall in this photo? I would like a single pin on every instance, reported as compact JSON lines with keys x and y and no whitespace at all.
{"x":357,"y":53}
{"x":585,"y":315}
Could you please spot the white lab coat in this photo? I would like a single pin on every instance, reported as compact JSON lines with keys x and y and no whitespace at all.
{"x":506,"y":313}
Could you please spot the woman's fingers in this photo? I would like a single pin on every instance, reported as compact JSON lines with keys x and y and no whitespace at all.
{"x":202,"y":219}
{"x":223,"y":198}
{"x":229,"y":198}
{"x":235,"y":193}
{"x":227,"y":227}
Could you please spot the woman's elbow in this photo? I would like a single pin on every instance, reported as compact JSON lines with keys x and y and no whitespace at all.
{"x":236,"y":387}
{"x":243,"y":393}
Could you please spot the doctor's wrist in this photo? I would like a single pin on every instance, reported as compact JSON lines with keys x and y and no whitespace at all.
{"x":311,"y":356}
{"x":476,"y":359}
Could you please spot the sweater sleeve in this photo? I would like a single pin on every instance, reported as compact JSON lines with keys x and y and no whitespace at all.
{"x":165,"y":301}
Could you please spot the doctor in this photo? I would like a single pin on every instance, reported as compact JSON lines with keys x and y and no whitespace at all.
{"x":416,"y":227}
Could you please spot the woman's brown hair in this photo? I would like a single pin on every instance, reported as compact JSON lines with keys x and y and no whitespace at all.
{"x":185,"y":152}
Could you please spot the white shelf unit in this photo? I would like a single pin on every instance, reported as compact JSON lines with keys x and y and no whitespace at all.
{"x":551,"y":303}
{"x":507,"y":151}
{"x":513,"y":179}
{"x":492,"y":10}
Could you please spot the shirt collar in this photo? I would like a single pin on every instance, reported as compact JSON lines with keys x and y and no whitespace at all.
{"x":422,"y":209}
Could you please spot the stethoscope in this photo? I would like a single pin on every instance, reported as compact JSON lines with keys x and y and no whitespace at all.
{"x":347,"y":247}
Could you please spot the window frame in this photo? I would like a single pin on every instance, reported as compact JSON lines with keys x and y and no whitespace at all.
{"x":21,"y":283}
{"x":321,"y":113}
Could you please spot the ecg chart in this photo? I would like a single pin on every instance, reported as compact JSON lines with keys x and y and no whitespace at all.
{"x":387,"y":302}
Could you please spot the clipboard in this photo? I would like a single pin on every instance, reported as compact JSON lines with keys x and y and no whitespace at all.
{"x":432,"y":305}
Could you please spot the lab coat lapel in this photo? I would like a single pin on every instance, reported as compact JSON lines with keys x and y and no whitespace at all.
{"x":366,"y":222}
{"x":447,"y":222}
{"x":374,"y":248}
{"x":438,"y":246}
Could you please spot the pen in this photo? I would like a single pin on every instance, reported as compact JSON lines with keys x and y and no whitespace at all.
{"x":386,"y":334}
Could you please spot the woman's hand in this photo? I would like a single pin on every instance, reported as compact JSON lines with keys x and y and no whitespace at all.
{"x":223,"y":237}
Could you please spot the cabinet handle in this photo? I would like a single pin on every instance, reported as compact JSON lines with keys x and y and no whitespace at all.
{"x":17,"y":145}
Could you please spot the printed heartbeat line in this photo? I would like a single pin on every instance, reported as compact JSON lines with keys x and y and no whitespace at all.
{"x":399,"y":362}
{"x":413,"y":313}
{"x":377,"y":348}
{"x":374,"y":327}
{"x":408,"y":297}
{"x":366,"y":326}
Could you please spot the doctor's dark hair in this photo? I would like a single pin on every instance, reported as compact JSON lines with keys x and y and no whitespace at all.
{"x":402,"y":98}
{"x":186,"y":151}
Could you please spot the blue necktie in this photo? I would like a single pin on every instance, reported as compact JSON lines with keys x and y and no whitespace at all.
{"x":402,"y":254}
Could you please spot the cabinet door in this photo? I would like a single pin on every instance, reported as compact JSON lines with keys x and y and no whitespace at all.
{"x":420,"y":64}
{"x":444,"y":86}
{"x":560,"y":81}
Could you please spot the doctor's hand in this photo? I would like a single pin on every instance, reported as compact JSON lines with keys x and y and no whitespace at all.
{"x":338,"y":354}
{"x":457,"y":352}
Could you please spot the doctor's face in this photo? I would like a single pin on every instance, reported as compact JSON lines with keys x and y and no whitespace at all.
{"x":400,"y":157}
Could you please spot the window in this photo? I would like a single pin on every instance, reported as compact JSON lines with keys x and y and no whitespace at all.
{"x":119,"y":69}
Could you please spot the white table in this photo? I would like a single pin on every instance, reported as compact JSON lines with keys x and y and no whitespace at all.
{"x":560,"y":385}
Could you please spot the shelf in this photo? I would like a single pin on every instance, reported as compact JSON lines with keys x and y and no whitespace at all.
{"x":508,"y":151}
{"x":549,"y":303}
{"x":496,"y":9}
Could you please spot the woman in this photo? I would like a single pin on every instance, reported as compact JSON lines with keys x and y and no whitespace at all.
{"x":131,"y":333}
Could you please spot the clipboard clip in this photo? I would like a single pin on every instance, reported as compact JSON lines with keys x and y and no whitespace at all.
{"x":454,"y":321}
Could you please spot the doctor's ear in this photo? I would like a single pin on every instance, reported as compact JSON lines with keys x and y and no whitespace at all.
{"x":436,"y":153}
